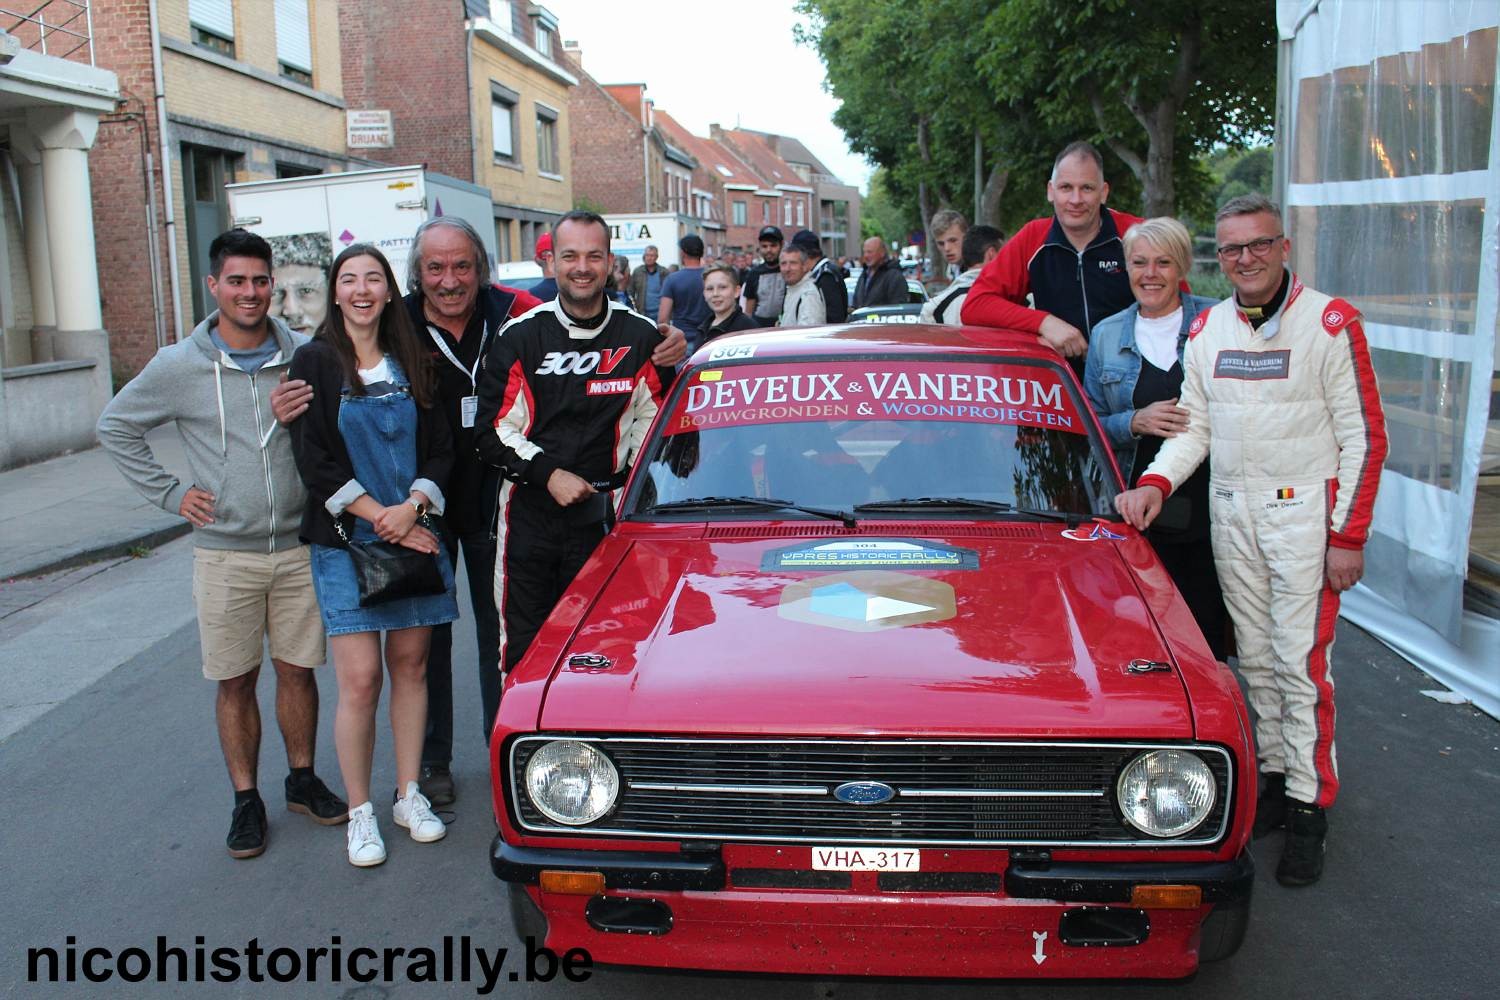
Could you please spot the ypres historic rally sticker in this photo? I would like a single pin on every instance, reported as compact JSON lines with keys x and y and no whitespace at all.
{"x":745,"y":395}
{"x":870,"y":553}
{"x":1096,"y":532}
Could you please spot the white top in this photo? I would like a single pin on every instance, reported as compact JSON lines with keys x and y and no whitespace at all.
{"x":1156,"y":339}
{"x":382,"y":371}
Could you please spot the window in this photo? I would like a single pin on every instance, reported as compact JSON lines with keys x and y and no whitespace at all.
{"x":502,"y":240}
{"x":801,"y":208}
{"x":503,"y":136}
{"x":740,"y":215}
{"x":543,"y":40}
{"x":765,"y":213}
{"x":294,"y":41}
{"x":786,"y":213}
{"x":548,"y":160}
{"x":284,"y":169}
{"x":213,"y":25}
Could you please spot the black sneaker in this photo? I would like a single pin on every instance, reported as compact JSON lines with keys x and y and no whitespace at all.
{"x":1306,"y":837}
{"x":247,"y":831}
{"x":436,"y":782}
{"x":1270,"y":806}
{"x":312,"y":798}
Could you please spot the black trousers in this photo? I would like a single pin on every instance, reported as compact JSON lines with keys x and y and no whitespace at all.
{"x":541,"y":549}
{"x":479,"y":570}
{"x":1191,"y":566}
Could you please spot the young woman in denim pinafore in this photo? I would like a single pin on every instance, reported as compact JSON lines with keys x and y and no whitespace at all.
{"x":379,"y":430}
{"x":374,"y":452}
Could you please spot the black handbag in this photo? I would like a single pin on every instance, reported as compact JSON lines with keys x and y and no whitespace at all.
{"x":388,"y":572}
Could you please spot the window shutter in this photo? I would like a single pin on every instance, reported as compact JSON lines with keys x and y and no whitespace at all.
{"x":293,"y":37}
{"x":216,"y":16}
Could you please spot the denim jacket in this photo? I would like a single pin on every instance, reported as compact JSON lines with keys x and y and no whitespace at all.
{"x":1114,"y":365}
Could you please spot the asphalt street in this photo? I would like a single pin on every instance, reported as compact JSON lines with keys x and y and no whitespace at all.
{"x":116,"y":806}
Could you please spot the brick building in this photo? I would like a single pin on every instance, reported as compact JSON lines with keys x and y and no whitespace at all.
{"x":623,"y":162}
{"x":838,"y":204}
{"x":432,"y":120}
{"x":251,"y":91}
{"x":519,"y":91}
{"x":705,"y":186}
{"x":749,"y":204}
{"x":792,"y":206}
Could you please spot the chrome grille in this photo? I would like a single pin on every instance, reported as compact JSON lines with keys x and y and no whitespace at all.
{"x":951,"y":793}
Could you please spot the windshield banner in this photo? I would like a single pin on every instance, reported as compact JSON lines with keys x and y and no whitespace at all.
{"x":1021,"y":395}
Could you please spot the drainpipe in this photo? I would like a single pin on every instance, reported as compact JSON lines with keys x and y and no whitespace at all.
{"x":646,"y":167}
{"x":169,"y":214}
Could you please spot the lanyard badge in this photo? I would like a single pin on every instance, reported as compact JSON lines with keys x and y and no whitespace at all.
{"x":468,"y":406}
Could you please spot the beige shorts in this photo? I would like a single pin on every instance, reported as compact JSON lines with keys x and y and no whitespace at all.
{"x":244,"y":596}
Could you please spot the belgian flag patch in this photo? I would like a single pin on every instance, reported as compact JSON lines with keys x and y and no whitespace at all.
{"x":1285,"y":493}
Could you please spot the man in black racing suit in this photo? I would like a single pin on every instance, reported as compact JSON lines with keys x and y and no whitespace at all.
{"x":567,"y":395}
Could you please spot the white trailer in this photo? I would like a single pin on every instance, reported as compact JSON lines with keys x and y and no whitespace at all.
{"x":382,"y":206}
{"x":630,"y":235}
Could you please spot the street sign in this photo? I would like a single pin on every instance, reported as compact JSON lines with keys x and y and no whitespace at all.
{"x":369,"y":130}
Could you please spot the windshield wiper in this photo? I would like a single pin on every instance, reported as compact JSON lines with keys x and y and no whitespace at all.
{"x":762,"y":503}
{"x":961,"y":503}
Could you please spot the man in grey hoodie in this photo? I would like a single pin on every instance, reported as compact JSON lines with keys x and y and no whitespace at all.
{"x":251,"y":573}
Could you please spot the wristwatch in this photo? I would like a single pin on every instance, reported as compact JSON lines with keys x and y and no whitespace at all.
{"x":418,"y":506}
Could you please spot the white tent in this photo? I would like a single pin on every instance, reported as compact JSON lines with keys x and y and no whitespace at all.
{"x":1388,"y":163}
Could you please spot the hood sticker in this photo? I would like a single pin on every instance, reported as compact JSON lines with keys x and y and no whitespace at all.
{"x":1021,"y":395}
{"x":1097,"y":532}
{"x":873,"y":553}
{"x":868,"y":601}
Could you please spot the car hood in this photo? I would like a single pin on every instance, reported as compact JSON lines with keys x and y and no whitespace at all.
{"x":1027,"y":634}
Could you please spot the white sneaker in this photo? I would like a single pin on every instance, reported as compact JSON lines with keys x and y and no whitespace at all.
{"x":366,"y":849}
{"x":414,"y":812}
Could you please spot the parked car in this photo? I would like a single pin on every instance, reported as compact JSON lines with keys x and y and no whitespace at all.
{"x":522,"y":274}
{"x":869,"y":679}
{"x":907,"y":312}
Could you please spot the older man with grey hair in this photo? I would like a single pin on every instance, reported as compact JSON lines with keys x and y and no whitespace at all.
{"x":453,"y":302}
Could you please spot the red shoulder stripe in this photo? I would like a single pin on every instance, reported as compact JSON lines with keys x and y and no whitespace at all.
{"x":1362,"y":504}
{"x":1337,"y":315}
{"x":1199,"y":321}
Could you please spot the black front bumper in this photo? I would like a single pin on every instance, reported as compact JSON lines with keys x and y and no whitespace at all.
{"x":1112,"y":882}
{"x":655,"y":870}
{"x":1064,"y":881}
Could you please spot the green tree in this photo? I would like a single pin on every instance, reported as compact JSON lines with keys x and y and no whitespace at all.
{"x":1163,"y":82}
{"x":881,"y":214}
{"x":1156,"y":86}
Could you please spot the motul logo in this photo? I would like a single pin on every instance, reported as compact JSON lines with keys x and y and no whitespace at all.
{"x":609,"y":387}
{"x":574,"y":363}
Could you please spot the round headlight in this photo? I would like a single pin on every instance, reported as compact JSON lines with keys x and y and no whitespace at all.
{"x":1166,"y":793}
{"x":571,"y":782}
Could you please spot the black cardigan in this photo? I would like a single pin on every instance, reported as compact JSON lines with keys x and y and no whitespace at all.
{"x":318,"y":447}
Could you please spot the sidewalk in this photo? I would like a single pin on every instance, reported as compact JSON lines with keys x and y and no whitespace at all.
{"x":78,"y":508}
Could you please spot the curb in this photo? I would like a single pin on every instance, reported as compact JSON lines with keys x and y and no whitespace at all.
{"x":113,"y":549}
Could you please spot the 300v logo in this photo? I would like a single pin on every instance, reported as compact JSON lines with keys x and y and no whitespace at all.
{"x":574,"y":363}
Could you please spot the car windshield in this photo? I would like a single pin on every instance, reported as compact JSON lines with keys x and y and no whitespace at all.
{"x":861,"y":435}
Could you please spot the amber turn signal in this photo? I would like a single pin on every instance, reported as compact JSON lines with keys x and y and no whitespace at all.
{"x":572,"y":883}
{"x":1166,"y":897}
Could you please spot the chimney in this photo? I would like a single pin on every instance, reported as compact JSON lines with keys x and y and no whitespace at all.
{"x":574,"y":52}
{"x":648,"y":112}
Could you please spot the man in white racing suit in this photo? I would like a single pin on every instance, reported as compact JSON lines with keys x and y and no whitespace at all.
{"x":1281,"y":396}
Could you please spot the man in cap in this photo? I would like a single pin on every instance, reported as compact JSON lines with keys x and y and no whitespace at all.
{"x":764,"y":288}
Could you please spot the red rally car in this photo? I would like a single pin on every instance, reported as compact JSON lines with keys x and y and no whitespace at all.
{"x":869,"y":679}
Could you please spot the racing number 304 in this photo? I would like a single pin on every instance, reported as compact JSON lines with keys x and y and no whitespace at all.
{"x":855,"y":859}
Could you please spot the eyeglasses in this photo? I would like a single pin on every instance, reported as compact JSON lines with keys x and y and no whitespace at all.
{"x":1257,"y":248}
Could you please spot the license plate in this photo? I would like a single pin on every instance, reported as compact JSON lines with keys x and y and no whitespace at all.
{"x":866,"y":859}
